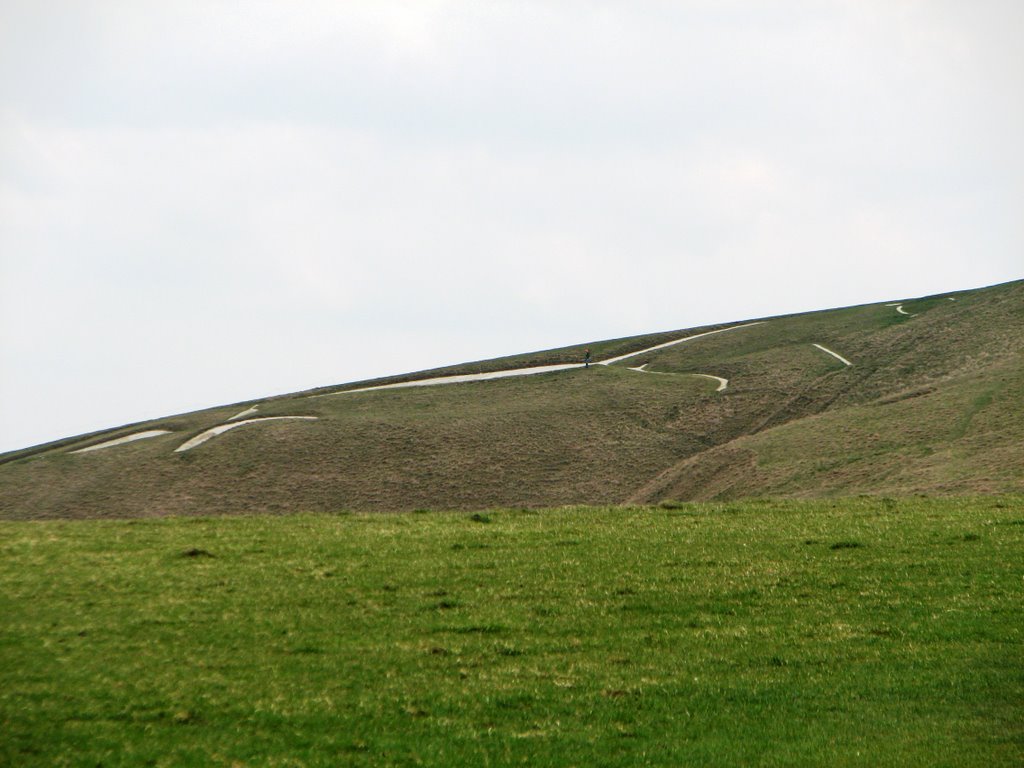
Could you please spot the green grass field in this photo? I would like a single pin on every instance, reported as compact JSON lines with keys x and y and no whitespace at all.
{"x":865,"y":632}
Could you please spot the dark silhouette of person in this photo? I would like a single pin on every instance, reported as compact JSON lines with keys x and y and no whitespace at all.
{"x":586,"y":358}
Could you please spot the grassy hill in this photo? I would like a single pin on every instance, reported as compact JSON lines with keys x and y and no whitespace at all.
{"x":931,"y":403}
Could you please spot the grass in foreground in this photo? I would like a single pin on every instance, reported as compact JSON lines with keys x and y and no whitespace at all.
{"x":855,"y":632}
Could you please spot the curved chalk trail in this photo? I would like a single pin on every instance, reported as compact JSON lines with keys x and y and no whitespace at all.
{"x":722,"y":383}
{"x":900,"y":309}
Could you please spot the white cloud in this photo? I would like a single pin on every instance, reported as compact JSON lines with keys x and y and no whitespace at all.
{"x":204,"y":202}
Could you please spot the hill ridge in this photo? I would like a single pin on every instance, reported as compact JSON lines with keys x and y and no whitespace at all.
{"x":859,"y":399}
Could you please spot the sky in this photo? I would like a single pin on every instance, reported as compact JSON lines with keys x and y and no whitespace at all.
{"x":209,"y":202}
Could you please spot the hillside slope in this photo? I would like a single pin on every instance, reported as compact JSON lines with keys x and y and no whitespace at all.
{"x":919,"y":396}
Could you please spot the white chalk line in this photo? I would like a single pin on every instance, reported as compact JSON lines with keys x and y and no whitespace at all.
{"x":122,"y":440}
{"x":461,"y":378}
{"x":677,"y":341}
{"x":838,"y":357}
{"x":236,"y":420}
{"x":722,"y":383}
{"x":221,"y":429}
{"x":901,"y":310}
{"x":245,"y":413}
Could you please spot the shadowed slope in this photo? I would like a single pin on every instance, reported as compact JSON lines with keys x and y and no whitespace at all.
{"x":933,"y":404}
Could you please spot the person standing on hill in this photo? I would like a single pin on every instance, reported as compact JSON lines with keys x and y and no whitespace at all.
{"x":586,"y":357}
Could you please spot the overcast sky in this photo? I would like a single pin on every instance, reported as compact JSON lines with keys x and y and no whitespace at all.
{"x":205,"y":202}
